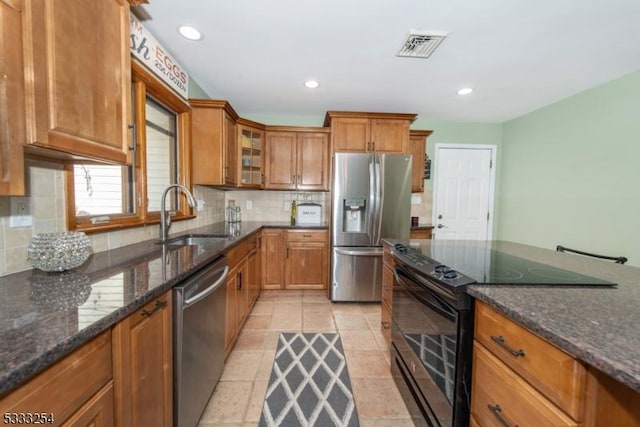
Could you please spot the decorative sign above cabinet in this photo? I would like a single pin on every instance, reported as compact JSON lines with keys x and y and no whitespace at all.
{"x":147,"y":50}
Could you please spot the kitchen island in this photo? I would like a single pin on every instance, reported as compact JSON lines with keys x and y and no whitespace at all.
{"x":560,"y":354}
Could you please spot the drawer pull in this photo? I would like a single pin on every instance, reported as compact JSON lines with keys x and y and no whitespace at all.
{"x":306,"y":235}
{"x":386,"y":325}
{"x":497,"y":411}
{"x":159,"y":305}
{"x":500,"y":341}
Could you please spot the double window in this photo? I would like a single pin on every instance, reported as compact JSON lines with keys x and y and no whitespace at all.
{"x":106,"y":197}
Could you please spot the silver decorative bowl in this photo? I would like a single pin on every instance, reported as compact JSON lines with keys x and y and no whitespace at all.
{"x":59,"y":251}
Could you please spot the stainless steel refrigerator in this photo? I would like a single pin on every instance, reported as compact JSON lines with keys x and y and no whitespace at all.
{"x":371,"y":201}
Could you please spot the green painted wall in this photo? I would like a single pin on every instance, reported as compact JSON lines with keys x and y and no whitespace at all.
{"x":570,"y":173}
{"x":195,"y":91}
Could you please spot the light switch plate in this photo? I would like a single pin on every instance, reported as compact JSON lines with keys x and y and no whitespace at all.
{"x":20,"y":212}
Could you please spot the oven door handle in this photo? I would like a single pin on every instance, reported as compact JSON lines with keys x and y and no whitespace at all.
{"x":435,"y":302}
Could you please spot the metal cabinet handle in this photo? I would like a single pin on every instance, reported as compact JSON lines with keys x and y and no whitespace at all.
{"x":287,"y":252}
{"x":501,"y":342}
{"x":159,"y":305}
{"x":239,"y":277}
{"x":497,"y":411}
{"x":299,"y":180}
{"x":134,"y":137}
{"x":306,"y":235}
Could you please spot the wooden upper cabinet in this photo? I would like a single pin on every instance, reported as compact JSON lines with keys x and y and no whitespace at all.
{"x":313,"y":161}
{"x":78,"y":78}
{"x":231,"y":169}
{"x":417,"y":149}
{"x":213,"y":139}
{"x":369,"y":132}
{"x":280,"y":161}
{"x":351,"y":134}
{"x":12,"y":119}
{"x":297,"y":158}
{"x":250,"y":153}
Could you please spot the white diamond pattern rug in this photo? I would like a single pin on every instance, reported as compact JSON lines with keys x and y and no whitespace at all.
{"x":309,"y":383}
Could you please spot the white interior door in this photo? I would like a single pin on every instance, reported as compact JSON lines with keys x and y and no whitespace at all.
{"x":463,"y":192}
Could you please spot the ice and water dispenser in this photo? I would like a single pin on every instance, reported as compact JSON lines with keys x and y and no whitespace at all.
{"x":354,"y":218}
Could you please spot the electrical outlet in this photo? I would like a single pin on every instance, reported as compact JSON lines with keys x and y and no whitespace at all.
{"x":200,"y":206}
{"x":20,"y":212}
{"x":286,"y":206}
{"x":249,"y":205}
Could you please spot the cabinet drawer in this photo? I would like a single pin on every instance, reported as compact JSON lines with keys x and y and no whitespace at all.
{"x":237,"y":253}
{"x":500,"y":397}
{"x":556,"y":374}
{"x":307,"y":236}
{"x":66,"y":386}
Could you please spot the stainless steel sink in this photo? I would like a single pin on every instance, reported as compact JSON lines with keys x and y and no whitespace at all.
{"x":195,"y":239}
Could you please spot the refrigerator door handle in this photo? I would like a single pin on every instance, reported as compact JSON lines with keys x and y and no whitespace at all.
{"x":358,"y":253}
{"x":372,"y":208}
{"x":379,"y":199}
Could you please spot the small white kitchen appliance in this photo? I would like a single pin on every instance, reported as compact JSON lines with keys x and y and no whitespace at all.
{"x":309,"y":214}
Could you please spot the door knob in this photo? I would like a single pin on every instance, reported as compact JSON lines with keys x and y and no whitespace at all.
{"x":442,"y":226}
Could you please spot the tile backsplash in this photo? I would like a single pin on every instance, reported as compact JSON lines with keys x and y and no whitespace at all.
{"x":45,"y":182}
{"x":275,"y":205}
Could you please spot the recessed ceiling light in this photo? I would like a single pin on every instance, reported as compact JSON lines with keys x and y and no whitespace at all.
{"x":311,"y":84}
{"x":465,"y":91}
{"x":188,"y":32}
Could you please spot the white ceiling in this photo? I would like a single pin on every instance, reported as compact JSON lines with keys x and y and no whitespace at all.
{"x":519,"y":55}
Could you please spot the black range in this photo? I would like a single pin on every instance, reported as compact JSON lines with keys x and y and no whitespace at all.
{"x":455,"y":264}
{"x":432,"y":319}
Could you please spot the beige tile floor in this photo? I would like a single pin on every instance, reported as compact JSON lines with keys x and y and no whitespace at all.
{"x":238,"y":397}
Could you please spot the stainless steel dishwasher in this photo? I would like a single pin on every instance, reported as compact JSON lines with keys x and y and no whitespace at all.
{"x":198,"y":350}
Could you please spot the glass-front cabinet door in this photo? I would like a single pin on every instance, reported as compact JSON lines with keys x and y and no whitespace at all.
{"x":251,"y":142}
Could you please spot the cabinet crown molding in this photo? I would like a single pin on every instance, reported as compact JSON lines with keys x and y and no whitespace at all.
{"x":367,"y":115}
{"x":215,"y":103}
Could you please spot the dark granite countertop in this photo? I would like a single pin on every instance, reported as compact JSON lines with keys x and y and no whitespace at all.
{"x":44,"y":317}
{"x":600,"y":326}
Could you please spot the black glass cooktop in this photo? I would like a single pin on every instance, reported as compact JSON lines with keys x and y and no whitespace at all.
{"x":491,"y":267}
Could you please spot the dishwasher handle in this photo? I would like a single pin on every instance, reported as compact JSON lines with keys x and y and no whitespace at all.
{"x":210,"y":289}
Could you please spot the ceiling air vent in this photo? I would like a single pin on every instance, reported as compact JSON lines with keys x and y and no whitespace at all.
{"x":421,"y":44}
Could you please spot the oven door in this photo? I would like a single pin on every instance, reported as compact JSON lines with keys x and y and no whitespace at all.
{"x":432,"y":349}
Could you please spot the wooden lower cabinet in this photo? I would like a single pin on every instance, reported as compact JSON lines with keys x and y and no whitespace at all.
{"x":500,"y":397}
{"x":610,"y":403}
{"x":558,"y":376}
{"x":254,"y":269}
{"x":238,"y":285}
{"x":521,"y":379}
{"x":307,"y":259}
{"x":421,"y":233}
{"x":68,"y":388}
{"x":387,"y":303}
{"x":237,"y":304}
{"x":143,"y":365}
{"x":388,"y":265}
{"x":273,"y":258}
{"x":295,"y":258}
{"x":97,"y":412}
